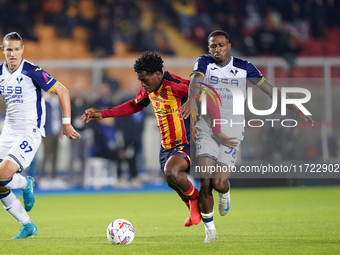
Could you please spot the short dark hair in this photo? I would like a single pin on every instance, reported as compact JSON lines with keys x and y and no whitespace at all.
{"x":150,"y":62}
{"x":217,"y":33}
{"x":12,"y":36}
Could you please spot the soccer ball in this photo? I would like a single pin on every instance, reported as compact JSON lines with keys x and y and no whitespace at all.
{"x":120,"y":231}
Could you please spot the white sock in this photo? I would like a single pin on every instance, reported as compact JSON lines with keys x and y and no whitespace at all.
{"x":18,"y":182}
{"x":210,"y":224}
{"x":12,"y":204}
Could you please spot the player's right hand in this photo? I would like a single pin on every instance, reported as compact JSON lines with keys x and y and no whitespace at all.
{"x":91,"y":114}
{"x":70,"y":132}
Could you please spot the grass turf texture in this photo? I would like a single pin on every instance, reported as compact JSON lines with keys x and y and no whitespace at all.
{"x":261,"y":221}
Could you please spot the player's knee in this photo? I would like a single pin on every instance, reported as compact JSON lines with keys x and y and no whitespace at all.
{"x":7,"y":169}
{"x":171,"y":174}
{"x":220,"y":184}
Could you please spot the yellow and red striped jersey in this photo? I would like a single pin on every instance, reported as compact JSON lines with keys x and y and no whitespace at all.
{"x":171,"y":94}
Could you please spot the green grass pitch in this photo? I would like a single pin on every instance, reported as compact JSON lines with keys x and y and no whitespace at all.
{"x":261,"y":221}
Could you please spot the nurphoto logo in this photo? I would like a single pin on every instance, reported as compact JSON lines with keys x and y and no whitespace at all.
{"x":238,"y":102}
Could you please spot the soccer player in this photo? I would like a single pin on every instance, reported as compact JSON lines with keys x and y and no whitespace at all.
{"x":167,"y":92}
{"x":21,"y":85}
{"x":217,"y":145}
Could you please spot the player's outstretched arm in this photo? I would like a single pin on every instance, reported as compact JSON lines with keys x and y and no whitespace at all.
{"x":190,"y":105}
{"x":91,"y":114}
{"x":267,"y":88}
{"x":65,"y":104}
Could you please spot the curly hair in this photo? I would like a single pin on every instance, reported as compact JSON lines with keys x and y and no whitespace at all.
{"x":150,"y":62}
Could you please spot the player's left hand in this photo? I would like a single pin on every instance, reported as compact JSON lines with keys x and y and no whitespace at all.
{"x":301,"y":115}
{"x":187,"y":108}
{"x":225,"y":140}
{"x":70,"y":132}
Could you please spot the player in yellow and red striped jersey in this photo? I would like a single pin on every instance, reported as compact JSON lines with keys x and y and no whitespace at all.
{"x":166,"y":92}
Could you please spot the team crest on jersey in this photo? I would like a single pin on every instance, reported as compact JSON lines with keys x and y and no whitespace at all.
{"x":19,"y":79}
{"x":234,"y":72}
{"x":161,"y":93}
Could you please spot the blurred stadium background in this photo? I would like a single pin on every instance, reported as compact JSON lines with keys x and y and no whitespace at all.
{"x":89,"y":45}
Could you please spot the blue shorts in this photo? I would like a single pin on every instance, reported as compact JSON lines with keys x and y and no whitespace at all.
{"x":182,"y":150}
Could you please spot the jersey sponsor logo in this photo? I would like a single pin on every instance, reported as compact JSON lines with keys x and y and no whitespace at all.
{"x":163,"y":111}
{"x":48,"y":78}
{"x":10,"y":90}
{"x":161,"y":93}
{"x":38,"y":69}
{"x":214,"y":80}
{"x":213,"y":68}
{"x":19,"y":79}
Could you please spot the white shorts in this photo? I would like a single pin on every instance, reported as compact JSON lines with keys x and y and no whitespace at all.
{"x":206,"y":146}
{"x":19,"y":148}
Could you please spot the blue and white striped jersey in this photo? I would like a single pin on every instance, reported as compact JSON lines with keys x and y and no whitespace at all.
{"x":22,"y":91}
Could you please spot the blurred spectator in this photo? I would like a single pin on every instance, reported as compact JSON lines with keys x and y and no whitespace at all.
{"x":80,"y":147}
{"x":240,"y":44}
{"x":316,"y":10}
{"x":109,"y":21}
{"x":53,"y":128}
{"x":105,"y":141}
{"x":132,"y":128}
{"x":297,"y":24}
{"x":274,"y":38}
{"x":66,"y":19}
{"x":190,"y":19}
{"x":154,"y":39}
{"x":26,"y":16}
{"x":87,"y":14}
{"x":101,"y":41}
{"x":126,"y":20}
{"x":251,"y":12}
{"x":50,"y":10}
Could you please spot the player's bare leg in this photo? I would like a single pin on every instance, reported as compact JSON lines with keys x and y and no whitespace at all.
{"x":222,"y":185}
{"x":187,"y":221}
{"x":206,"y":201}
{"x":175,"y":173}
{"x":178,"y":190}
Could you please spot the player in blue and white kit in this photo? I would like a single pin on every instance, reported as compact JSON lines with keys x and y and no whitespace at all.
{"x":21,"y":85}
{"x":217,"y":145}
